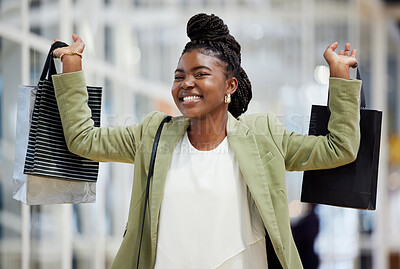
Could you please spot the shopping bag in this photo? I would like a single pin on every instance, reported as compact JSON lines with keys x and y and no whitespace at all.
{"x":353,"y":185}
{"x":35,"y":190}
{"x":47,"y":153}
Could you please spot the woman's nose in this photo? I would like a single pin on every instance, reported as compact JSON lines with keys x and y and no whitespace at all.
{"x":187,"y":83}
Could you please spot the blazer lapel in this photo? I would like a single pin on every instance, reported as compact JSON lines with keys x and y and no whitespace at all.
{"x":171,"y":133}
{"x":244,"y":146}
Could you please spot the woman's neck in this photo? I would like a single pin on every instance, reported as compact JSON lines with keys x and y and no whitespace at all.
{"x":207,"y":133}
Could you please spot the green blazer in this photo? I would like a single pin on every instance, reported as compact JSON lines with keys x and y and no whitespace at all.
{"x":262,"y":146}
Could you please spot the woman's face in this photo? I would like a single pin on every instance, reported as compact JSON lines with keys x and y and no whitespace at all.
{"x":200,"y":85}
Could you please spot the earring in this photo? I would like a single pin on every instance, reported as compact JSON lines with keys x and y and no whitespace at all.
{"x":227,"y":98}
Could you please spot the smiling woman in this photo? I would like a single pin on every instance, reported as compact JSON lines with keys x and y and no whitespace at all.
{"x":199,"y":91}
{"x":200,"y":85}
{"x":218,"y":193}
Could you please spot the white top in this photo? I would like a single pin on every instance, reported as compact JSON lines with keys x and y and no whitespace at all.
{"x":205,"y":219}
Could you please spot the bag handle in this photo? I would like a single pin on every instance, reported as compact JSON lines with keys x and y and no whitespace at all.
{"x":149,"y":175}
{"x":49,"y":68}
{"x":362,"y":94}
{"x":362,"y":97}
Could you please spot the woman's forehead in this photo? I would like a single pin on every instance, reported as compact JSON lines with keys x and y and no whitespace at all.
{"x":199,"y":57}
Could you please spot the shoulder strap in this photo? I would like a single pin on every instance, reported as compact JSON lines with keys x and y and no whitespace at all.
{"x":150,"y":174}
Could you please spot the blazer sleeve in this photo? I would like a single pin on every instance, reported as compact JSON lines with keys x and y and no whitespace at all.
{"x":117,"y":144}
{"x":339,"y":146}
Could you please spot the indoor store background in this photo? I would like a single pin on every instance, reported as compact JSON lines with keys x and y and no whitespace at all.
{"x":132,"y":48}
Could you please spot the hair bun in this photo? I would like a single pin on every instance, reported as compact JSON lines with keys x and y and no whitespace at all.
{"x":203,"y":27}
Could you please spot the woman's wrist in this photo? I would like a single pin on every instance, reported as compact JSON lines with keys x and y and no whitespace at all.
{"x":340,"y":72}
{"x":71,"y":63}
{"x":70,"y":53}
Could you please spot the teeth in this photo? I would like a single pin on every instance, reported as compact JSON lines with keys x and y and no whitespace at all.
{"x":190,"y":98}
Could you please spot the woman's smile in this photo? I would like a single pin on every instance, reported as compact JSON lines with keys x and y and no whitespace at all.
{"x":190,"y":99}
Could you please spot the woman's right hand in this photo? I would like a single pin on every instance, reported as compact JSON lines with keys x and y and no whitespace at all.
{"x":77,"y":46}
{"x":71,"y":62}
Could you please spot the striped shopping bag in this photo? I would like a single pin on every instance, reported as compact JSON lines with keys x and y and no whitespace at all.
{"x":47,"y":153}
{"x":41,"y":190}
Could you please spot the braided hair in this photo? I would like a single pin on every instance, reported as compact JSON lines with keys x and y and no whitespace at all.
{"x":210,"y":35}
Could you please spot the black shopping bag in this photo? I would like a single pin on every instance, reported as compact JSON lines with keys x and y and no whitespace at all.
{"x":353,"y":185}
{"x":47,"y":153}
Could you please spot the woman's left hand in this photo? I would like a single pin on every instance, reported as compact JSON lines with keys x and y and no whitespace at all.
{"x":340,"y":63}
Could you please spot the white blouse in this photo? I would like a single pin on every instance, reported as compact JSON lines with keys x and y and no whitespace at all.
{"x":205,"y":219}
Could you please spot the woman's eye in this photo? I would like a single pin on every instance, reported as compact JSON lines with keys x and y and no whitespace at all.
{"x":201,"y":75}
{"x":176,"y":77}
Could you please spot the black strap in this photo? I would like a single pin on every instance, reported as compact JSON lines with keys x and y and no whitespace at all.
{"x":362,"y":89}
{"x":49,"y":68}
{"x":272,"y":258}
{"x":150,"y":174}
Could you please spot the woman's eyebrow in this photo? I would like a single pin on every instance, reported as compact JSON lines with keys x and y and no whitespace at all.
{"x":178,"y":70}
{"x":200,"y":67}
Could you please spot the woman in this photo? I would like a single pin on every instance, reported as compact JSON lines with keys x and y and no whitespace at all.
{"x":219,"y":183}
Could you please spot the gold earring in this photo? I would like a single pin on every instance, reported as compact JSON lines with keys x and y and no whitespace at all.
{"x":227,"y":98}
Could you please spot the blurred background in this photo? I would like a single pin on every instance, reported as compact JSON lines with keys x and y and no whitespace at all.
{"x":132,"y":48}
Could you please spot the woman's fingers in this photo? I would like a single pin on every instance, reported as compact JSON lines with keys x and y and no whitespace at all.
{"x":351,"y":55}
{"x":329,"y":52}
{"x":57,"y":52}
{"x":333,"y":46}
{"x":347,"y":49}
{"x":78,"y":43}
{"x":76,"y":37}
